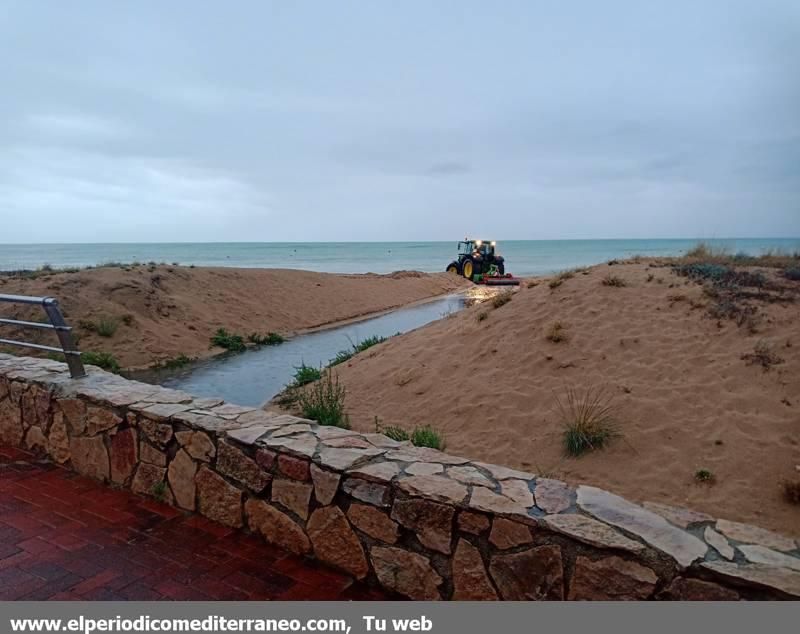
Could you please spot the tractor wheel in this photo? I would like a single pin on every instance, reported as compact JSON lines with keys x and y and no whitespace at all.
{"x":501,"y":268}
{"x":453,"y":268}
{"x":467,"y":269}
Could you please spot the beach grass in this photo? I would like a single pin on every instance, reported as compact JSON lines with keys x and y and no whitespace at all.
{"x":556,"y":332}
{"x":305,"y":374}
{"x":589,"y":418}
{"x":104,"y":360}
{"x":427,"y":436}
{"x":223,"y":339}
{"x":324,"y":400}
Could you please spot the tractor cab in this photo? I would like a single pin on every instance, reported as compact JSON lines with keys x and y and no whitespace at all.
{"x":477,"y":259}
{"x":483,"y":248}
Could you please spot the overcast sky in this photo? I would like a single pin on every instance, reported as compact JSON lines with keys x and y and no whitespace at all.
{"x":270,"y":121}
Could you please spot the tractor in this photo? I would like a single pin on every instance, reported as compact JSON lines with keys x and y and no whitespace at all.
{"x":478,"y":262}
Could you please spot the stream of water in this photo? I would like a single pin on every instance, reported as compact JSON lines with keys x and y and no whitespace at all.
{"x":255,"y":376}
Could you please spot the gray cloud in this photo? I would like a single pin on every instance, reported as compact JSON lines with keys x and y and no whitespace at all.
{"x":337,"y":121}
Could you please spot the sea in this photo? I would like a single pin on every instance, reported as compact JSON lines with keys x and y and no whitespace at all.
{"x":523,"y":257}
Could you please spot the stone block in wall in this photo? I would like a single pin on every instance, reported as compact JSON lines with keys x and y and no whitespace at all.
{"x":151,"y":455}
{"x":197,"y":444}
{"x":432,"y":522}
{"x":293,"y":495}
{"x":682,"y":589}
{"x":180,"y":475}
{"x":373,"y":522}
{"x":235,"y":464}
{"x":217,"y":499}
{"x":35,"y":440}
{"x":294,"y":468}
{"x":158,"y":433}
{"x":123,"y":455}
{"x":276,"y":527}
{"x":369,"y":492}
{"x":507,"y":534}
{"x":472,"y":523}
{"x":58,"y":439}
{"x":74,"y":411}
{"x":335,"y":543}
{"x":611,"y":579}
{"x":149,"y":480}
{"x":470,"y":579}
{"x":11,"y":430}
{"x":406,"y":573}
{"x":35,"y":406}
{"x":89,"y":457}
{"x":530,"y":575}
{"x":326,"y":483}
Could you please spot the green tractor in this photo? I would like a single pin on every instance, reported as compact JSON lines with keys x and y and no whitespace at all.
{"x":477,"y":260}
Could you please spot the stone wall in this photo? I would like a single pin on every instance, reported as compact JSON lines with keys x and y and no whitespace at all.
{"x":415,"y":521}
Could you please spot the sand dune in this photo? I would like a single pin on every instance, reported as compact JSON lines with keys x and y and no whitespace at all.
{"x":174,"y":310}
{"x":686,"y":398}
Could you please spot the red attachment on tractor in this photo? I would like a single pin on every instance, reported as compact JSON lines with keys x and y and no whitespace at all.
{"x":498,"y":280}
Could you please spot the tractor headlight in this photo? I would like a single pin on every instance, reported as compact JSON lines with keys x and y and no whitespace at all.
{"x":494,"y":244}
{"x":478,"y":242}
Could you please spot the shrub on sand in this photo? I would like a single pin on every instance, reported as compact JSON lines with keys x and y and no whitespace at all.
{"x":614,"y":281}
{"x":224,"y":339}
{"x":589,"y":419}
{"x":427,"y":436}
{"x":305,"y":374}
{"x":762,"y":355}
{"x":502,"y":299}
{"x":106,"y":326}
{"x":104,"y":360}
{"x":556,"y":332}
{"x":367,"y":343}
{"x":705,"y":476}
{"x":323,"y":402}
{"x":395,"y":433}
{"x":791,"y":490}
{"x":270,"y":339}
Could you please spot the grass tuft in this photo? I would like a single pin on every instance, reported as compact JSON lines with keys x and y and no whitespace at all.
{"x":345,"y":355}
{"x":341,"y":357}
{"x":762,"y":355}
{"x":792,"y":273}
{"x":106,"y":326}
{"x":223,"y":339}
{"x":705,"y":251}
{"x":705,"y":476}
{"x":482,"y":316}
{"x":305,"y":374}
{"x":427,"y":436}
{"x":270,"y":339}
{"x":104,"y":360}
{"x":589,"y":419}
{"x":395,"y":433}
{"x":172,"y":364}
{"x":159,"y":491}
{"x":791,"y":490}
{"x":614,"y":281}
{"x":556,"y":333}
{"x":323,"y":402}
{"x":501,"y":299}
{"x":367,"y":343}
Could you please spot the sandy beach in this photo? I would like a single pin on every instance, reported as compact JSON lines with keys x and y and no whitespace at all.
{"x":165,"y":311}
{"x":687,"y":394}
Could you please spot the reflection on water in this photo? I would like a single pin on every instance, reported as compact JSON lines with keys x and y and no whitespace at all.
{"x":255,"y":376}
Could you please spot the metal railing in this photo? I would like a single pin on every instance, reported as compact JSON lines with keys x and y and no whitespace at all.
{"x":57,"y":323}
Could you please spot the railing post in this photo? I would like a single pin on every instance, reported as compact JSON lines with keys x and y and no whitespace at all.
{"x":64,"y":333}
